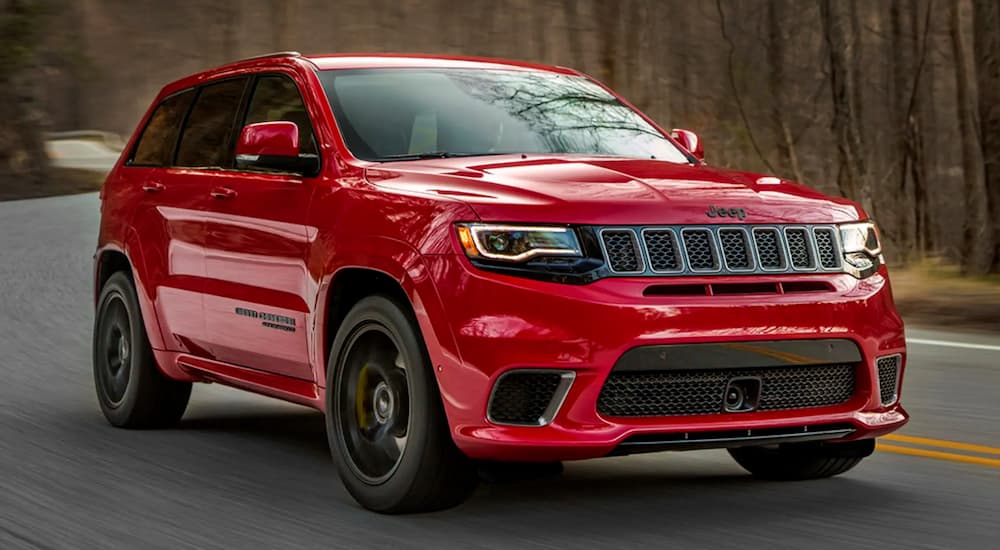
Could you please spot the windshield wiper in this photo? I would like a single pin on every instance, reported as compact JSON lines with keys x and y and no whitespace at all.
{"x":432,"y":155}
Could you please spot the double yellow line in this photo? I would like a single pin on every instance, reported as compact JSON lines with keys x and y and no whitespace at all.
{"x":972,"y":452}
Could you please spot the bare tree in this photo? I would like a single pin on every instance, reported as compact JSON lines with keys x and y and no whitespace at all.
{"x":975,"y":234}
{"x":282,"y":12}
{"x":841,"y":39}
{"x":987,"y":46}
{"x":609,"y":17}
{"x":737,"y":96}
{"x":571,"y":11}
{"x":778,"y":86}
{"x":910,"y":33}
{"x":22,"y":149}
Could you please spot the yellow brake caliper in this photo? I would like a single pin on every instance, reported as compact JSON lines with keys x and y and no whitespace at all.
{"x":360,"y":406}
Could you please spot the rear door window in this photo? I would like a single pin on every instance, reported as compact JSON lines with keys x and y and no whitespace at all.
{"x":156,"y":145}
{"x":206,"y":140}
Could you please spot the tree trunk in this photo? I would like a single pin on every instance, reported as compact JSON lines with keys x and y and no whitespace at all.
{"x":634,"y":62}
{"x":22,"y":142}
{"x":840,"y":37}
{"x":541,"y":23}
{"x":788,"y":160}
{"x":282,"y":12}
{"x":918,"y":119}
{"x":900,"y":62}
{"x":573,"y":33}
{"x":987,"y":46}
{"x":974,"y":231}
{"x":608,"y":19}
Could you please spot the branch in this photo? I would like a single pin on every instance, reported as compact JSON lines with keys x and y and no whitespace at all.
{"x":920,"y":64}
{"x":736,"y":93}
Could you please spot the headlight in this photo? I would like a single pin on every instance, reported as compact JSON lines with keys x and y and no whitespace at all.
{"x":517,"y":243}
{"x":862,"y":249}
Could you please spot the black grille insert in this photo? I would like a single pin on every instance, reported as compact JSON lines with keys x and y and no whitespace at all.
{"x":825,"y":248}
{"x":522,"y":397}
{"x":768,"y":242}
{"x":735,"y":249}
{"x":661,"y":247}
{"x":699,"y":392}
{"x":622,"y":250}
{"x":699,"y":249}
{"x":888,"y":378}
{"x":798,"y":248}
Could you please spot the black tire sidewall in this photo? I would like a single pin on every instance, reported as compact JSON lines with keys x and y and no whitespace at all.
{"x":423,"y":415}
{"x":120,"y":286}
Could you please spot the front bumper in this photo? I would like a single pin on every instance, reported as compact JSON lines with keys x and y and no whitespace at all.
{"x":499,"y":323}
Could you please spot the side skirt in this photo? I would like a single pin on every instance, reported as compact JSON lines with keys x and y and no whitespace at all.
{"x":295,"y":390}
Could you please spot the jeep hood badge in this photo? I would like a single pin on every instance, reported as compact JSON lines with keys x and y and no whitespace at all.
{"x":717,"y":212}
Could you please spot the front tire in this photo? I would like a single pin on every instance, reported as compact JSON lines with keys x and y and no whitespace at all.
{"x":385,"y":422}
{"x":801,"y":461}
{"x":131,"y":390}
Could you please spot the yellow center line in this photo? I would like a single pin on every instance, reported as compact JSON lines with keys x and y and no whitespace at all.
{"x":940,"y":455}
{"x":928,"y":442}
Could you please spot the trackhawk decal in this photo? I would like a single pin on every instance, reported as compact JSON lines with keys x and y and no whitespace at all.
{"x":269,"y":320}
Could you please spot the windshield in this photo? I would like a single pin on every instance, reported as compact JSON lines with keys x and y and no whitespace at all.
{"x":397,"y":114}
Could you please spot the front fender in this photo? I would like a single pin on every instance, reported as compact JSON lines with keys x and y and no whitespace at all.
{"x":406,"y":266}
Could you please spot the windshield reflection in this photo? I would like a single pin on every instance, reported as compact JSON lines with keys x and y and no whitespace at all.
{"x":401,"y":114}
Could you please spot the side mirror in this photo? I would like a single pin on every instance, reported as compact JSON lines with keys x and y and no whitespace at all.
{"x":690,"y":141}
{"x":273,"y":146}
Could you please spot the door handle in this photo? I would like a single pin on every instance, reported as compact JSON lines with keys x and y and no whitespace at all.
{"x":153,"y":187}
{"x":223,"y":193}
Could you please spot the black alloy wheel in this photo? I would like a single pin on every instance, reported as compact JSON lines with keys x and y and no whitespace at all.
{"x":374,"y":402}
{"x":131,"y":390}
{"x":385,"y":420}
{"x":114,"y":364}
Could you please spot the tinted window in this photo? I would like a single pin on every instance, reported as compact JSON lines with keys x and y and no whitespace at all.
{"x":156,"y":146}
{"x":276,"y":98}
{"x":206,"y":139}
{"x":386,"y":113}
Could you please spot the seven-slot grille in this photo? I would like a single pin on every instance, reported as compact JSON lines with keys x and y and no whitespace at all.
{"x":723,"y":250}
{"x":701,"y":391}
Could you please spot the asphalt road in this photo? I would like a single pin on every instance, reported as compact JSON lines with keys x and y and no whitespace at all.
{"x":247,"y":472}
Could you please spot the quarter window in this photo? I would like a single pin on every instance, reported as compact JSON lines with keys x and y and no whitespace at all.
{"x":156,"y":146}
{"x":206,"y":140}
{"x":276,"y":98}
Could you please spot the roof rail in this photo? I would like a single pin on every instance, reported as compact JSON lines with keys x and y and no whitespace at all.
{"x":273,"y":54}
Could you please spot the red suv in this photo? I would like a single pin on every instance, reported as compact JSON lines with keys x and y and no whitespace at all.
{"x":464,"y":260}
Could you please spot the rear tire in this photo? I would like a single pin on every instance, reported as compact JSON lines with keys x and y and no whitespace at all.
{"x":385,"y":421}
{"x":131,"y":390}
{"x":801,"y":461}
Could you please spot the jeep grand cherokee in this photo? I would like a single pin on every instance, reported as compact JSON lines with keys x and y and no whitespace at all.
{"x":466,"y":260}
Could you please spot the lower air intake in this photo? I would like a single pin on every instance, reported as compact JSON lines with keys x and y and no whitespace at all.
{"x":700,"y":392}
{"x":528,"y":397}
{"x":888,"y":378}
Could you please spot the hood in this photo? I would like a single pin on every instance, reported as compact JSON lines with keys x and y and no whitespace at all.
{"x":610,"y":191}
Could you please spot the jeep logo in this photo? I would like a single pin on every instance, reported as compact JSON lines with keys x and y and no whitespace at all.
{"x":714,"y":212}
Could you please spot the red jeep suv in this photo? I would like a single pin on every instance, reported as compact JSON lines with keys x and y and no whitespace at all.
{"x":462,"y":260}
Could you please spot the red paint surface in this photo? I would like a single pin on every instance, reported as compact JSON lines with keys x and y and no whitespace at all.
{"x":277,"y":139}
